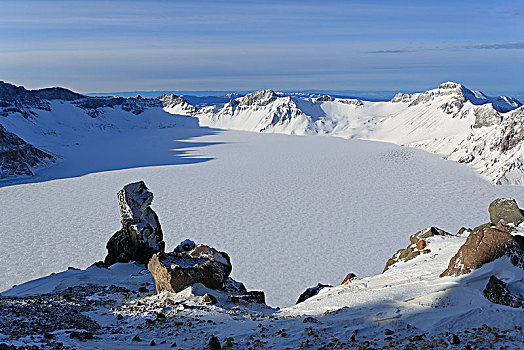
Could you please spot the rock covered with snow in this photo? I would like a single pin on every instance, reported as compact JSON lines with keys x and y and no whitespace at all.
{"x":484,"y":245}
{"x":18,"y":158}
{"x":417,"y":246}
{"x":141,"y":234}
{"x":187,"y":265}
{"x":259,"y":98}
{"x":178,"y":104}
{"x":505,"y":211}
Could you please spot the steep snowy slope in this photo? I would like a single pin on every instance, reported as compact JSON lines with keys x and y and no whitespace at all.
{"x":461,"y":124}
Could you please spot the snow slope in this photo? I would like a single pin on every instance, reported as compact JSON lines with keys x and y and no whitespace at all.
{"x":408,"y":306}
{"x":291,"y":211}
{"x":461,"y":124}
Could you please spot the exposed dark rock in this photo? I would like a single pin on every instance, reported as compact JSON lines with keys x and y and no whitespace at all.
{"x":209,"y":299}
{"x":213,"y":344}
{"x":176,"y":270}
{"x":310,"y":292}
{"x":417,"y":246}
{"x":497,"y":292}
{"x":82,"y":336}
{"x":505,"y":211}
{"x":454,"y":339}
{"x":17,"y":157}
{"x":141,"y":235}
{"x":252,"y":296}
{"x":310,"y":319}
{"x":483,"y":246}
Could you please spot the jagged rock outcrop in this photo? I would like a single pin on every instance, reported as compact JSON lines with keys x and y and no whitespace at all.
{"x":458,"y":94}
{"x":312,"y":291}
{"x":417,"y":246}
{"x":497,"y":292}
{"x":94,"y":106}
{"x":17,"y":99}
{"x":505,"y":211}
{"x":141,"y":234}
{"x":177,"y":103}
{"x":17,"y":158}
{"x":259,"y":98}
{"x":189,"y":264}
{"x":485,"y":245}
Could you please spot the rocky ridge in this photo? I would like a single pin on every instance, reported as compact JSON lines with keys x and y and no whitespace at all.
{"x":18,"y":158}
{"x":461,"y":124}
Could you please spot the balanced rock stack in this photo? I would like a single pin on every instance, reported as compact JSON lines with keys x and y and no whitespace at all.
{"x":141,"y":235}
{"x":141,"y":240}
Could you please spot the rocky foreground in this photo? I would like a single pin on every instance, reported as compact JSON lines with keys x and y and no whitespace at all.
{"x":457,"y":291}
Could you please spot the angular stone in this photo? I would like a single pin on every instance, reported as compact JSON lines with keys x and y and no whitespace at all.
{"x":141,"y":235}
{"x":483,"y":246}
{"x":176,"y":270}
{"x":209,"y":299}
{"x":349,"y":277}
{"x":310,"y":292}
{"x":497,"y":292}
{"x":505,"y":211}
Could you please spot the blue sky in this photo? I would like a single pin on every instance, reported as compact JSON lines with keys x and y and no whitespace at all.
{"x":104,"y":46}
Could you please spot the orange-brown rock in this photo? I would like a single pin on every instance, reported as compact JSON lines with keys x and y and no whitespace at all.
{"x":350,"y":276}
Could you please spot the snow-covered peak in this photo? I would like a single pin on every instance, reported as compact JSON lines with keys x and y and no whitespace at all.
{"x":259,"y":98}
{"x":453,"y":97}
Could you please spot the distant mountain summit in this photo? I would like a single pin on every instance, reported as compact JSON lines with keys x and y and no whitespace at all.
{"x":461,"y":124}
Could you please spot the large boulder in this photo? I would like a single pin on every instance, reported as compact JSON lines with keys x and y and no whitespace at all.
{"x":485,"y":245}
{"x":505,"y":211}
{"x":189,"y":264}
{"x":497,"y":292}
{"x":141,"y":235}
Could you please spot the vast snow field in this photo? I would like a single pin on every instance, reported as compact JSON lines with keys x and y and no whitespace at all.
{"x":291,"y":211}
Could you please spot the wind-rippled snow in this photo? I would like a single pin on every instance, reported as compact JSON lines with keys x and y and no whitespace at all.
{"x":291,"y":211}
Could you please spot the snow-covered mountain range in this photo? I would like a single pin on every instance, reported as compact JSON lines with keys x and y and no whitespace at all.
{"x":463,"y":125}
